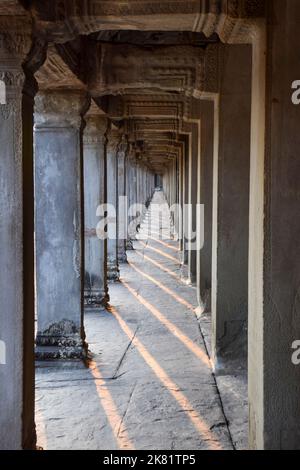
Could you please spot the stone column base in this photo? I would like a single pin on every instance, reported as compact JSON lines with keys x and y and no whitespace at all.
{"x":122,"y":257}
{"x":94,"y":299}
{"x":113,"y":273}
{"x":60,"y":341}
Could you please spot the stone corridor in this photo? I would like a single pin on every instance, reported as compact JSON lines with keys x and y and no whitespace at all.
{"x":102,"y":105}
{"x":149,"y":383}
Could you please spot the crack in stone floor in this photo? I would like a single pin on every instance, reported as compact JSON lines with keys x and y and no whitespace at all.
{"x":149,"y":384}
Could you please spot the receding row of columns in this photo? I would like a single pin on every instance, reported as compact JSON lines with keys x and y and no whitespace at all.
{"x":81,"y":216}
{"x":243,"y":168}
{"x":210,"y":179}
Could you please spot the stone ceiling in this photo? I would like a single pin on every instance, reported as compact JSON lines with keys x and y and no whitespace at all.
{"x":142,"y":61}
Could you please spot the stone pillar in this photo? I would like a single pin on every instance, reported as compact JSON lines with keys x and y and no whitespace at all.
{"x":186,"y":146}
{"x":174,"y":215}
{"x":274,"y":268}
{"x":122,"y":206}
{"x":139,"y":182}
{"x":194,"y":159}
{"x":181,"y":161}
{"x":174,"y":182}
{"x":231,"y":210}
{"x":181,"y":194}
{"x":131,"y":184}
{"x":142,"y":185}
{"x":146,"y":183}
{"x":205,"y":198}
{"x":58,"y":215}
{"x":177,"y":193}
{"x":147,"y":192}
{"x":95,"y":289}
{"x":138,"y":194}
{"x":17,"y":428}
{"x":142,"y":173}
{"x":149,"y":186}
{"x":113,"y":140}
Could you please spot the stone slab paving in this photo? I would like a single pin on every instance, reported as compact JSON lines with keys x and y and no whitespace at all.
{"x":148,"y":384}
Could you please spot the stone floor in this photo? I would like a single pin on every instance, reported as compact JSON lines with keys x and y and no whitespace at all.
{"x":148,"y":384}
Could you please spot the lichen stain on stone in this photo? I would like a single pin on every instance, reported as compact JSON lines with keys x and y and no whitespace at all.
{"x":64,"y":327}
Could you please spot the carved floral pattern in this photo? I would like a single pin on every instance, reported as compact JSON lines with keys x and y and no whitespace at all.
{"x":12,"y":78}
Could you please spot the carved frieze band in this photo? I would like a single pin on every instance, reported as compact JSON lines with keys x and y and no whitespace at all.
{"x":12,"y":78}
{"x":13,"y":81}
{"x":63,"y":20}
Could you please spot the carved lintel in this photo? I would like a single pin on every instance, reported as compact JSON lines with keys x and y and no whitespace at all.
{"x":59,"y":108}
{"x":118,"y":69}
{"x":130,"y":71}
{"x":242,"y":22}
{"x":155,"y":125}
{"x":62,"y":20}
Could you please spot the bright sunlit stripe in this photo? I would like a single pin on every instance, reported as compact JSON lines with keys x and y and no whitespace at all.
{"x":164,"y":288}
{"x":174,"y":248}
{"x":198,"y":422}
{"x":160,"y":266}
{"x":160,"y":252}
{"x":196,"y":350}
{"x":110,"y":409}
